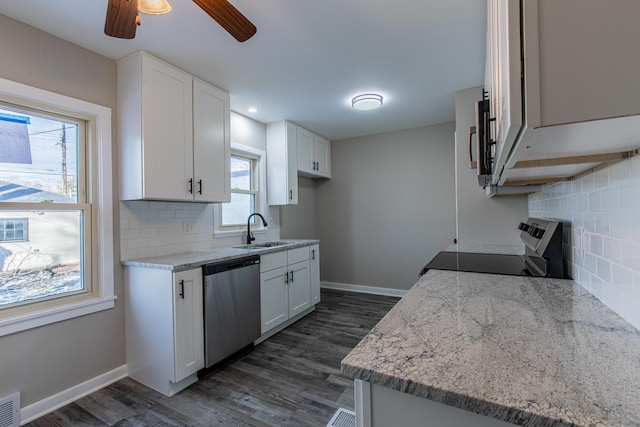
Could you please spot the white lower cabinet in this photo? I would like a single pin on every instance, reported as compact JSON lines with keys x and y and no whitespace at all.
{"x":299,"y":287}
{"x":314,"y":273}
{"x":274,"y":298}
{"x":164,"y":327}
{"x":285,"y":287}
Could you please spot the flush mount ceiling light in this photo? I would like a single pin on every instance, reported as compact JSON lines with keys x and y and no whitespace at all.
{"x":253,"y":110}
{"x":366,"y":101}
{"x":154,"y":7}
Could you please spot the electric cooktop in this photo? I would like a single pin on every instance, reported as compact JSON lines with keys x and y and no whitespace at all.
{"x":512,"y":265}
{"x":543,"y":255}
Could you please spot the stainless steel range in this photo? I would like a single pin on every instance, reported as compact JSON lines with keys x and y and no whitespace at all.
{"x":543,"y":255}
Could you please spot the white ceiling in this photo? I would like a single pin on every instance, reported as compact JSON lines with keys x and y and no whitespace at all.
{"x":308,"y":58}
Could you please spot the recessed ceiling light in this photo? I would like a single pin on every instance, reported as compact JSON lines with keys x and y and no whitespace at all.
{"x":253,"y":110}
{"x":366,"y":101}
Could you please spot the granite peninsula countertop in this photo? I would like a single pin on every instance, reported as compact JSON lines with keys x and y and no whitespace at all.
{"x":529,"y":351}
{"x":188,"y":260}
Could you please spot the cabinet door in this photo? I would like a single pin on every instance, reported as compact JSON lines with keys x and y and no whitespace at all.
{"x":282,"y":164}
{"x":322,"y":155}
{"x":314,"y":273}
{"x":292,"y":164}
{"x":306,"y":154}
{"x":211,"y":144}
{"x":274,"y":299}
{"x":506,"y":89}
{"x":167,"y":134}
{"x":188,"y":323}
{"x":299,"y":288}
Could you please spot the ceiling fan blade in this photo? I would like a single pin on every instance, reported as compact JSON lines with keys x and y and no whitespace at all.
{"x":229,"y":18}
{"x":121,"y":19}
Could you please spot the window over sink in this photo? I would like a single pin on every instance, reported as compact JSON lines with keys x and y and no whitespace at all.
{"x":247,"y":191}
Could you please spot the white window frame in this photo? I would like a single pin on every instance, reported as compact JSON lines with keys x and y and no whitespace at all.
{"x":261,"y":206}
{"x":99,"y":136}
{"x":25,"y":229}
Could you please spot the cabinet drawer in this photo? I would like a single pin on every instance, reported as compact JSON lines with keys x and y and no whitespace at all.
{"x":273,"y":260}
{"x":297,"y":255}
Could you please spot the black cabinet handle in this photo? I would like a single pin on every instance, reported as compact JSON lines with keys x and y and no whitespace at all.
{"x":313,"y":254}
{"x":182,"y":289}
{"x":291,"y":276}
{"x":191,"y":186}
{"x":286,"y":278}
{"x":199,"y":186}
{"x":290,"y":194}
{"x":317,"y":166}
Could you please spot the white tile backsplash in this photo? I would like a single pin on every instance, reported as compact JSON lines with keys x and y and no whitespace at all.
{"x":162,"y":228}
{"x":601,"y":215}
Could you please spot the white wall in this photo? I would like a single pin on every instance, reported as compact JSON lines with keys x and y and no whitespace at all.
{"x":300,"y":221}
{"x":44,"y":361}
{"x":481,"y":219}
{"x":601,"y":220}
{"x":389,"y":207}
{"x":158,"y":228}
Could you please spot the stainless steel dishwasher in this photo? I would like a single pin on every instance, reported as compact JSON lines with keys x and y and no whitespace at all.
{"x":231,"y":307}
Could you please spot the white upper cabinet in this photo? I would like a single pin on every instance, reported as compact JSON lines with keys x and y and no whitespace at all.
{"x":563,"y":87}
{"x":314,"y":155}
{"x":322,"y":156}
{"x":306,"y":154}
{"x":211,"y":142}
{"x":293,"y":150}
{"x":173,"y":134}
{"x":282,"y":168}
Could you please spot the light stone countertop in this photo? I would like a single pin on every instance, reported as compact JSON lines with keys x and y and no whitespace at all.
{"x":188,"y":260}
{"x":529,"y":351}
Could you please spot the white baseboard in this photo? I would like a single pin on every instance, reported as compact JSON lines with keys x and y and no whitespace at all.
{"x":364,"y":289}
{"x":51,"y":403}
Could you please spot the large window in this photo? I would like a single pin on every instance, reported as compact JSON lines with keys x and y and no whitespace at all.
{"x":247,"y":181}
{"x":52,"y":207}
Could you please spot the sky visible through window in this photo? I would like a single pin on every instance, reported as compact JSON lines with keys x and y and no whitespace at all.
{"x":46,"y":171}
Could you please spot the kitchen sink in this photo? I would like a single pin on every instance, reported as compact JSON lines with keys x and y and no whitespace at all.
{"x":262,"y":245}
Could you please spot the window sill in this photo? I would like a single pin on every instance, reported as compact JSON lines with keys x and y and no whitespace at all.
{"x":51,"y":315}
{"x":231,"y":233}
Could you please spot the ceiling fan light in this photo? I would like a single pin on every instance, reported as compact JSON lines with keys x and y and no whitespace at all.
{"x":154,"y":7}
{"x":366,"y":101}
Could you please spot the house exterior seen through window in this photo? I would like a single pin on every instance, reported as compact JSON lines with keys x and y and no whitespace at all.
{"x":45,"y":217}
{"x":14,"y":229}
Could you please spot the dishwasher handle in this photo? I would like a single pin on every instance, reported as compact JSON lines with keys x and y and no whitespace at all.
{"x":220,"y":267}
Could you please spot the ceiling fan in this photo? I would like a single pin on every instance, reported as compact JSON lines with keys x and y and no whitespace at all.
{"x":122,"y":18}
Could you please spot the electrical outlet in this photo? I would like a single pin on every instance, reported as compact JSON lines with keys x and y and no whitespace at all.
{"x":187,"y":226}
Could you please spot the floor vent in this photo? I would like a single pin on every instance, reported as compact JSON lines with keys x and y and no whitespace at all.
{"x":10,"y":411}
{"x":343,"y":418}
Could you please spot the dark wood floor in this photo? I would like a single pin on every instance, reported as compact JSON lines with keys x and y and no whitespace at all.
{"x":291,"y":379}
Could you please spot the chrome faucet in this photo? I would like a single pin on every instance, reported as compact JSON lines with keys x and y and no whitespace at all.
{"x":250,"y":238}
